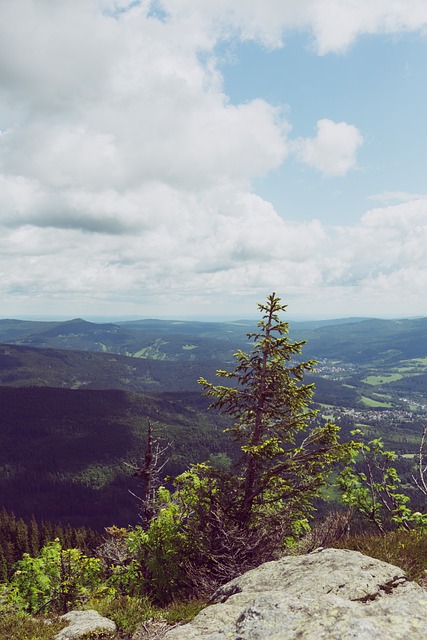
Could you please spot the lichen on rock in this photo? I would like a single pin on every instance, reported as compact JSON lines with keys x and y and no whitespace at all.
{"x":333,"y":594}
{"x":85,"y":624}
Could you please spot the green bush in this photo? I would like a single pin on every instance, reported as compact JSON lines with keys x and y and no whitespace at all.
{"x":158,"y":552}
{"x":56,"y":580}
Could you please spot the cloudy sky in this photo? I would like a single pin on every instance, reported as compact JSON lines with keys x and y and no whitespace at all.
{"x":188,"y":157}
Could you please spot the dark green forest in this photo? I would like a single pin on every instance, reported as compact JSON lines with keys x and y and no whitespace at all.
{"x":63,"y":452}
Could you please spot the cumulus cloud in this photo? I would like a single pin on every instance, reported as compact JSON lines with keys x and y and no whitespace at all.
{"x":245,"y":251}
{"x":333,"y":150}
{"x":126,"y":172}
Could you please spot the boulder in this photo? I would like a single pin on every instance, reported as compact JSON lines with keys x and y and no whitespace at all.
{"x":332,"y":594}
{"x":84,"y":622}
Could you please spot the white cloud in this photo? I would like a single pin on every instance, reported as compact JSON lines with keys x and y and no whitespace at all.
{"x":333,"y":150}
{"x":126,"y":102}
{"x":334,"y":24}
{"x":243,"y":252}
{"x":126,"y":172}
{"x":387,"y":197}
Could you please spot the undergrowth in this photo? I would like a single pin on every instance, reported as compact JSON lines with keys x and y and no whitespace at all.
{"x":405,"y":549}
{"x":18,"y":627}
{"x":127,"y":612}
{"x":130,"y":612}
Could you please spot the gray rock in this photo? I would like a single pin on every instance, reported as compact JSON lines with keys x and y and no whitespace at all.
{"x":82,"y":622}
{"x":333,"y":594}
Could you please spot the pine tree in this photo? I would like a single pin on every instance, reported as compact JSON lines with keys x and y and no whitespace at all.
{"x":286,"y":459}
{"x":21,"y":538}
{"x":220,"y":522}
{"x":4,"y":572}
{"x":33,"y":537}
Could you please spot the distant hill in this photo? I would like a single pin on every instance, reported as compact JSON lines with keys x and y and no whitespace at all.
{"x":22,"y":366}
{"x":368,"y":341}
{"x":347,"y":340}
{"x":154,"y":339}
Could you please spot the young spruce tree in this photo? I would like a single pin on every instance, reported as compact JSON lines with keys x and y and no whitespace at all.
{"x":285,"y":460}
{"x":220,"y":522}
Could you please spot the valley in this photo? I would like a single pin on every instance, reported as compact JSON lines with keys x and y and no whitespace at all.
{"x":76,"y":397}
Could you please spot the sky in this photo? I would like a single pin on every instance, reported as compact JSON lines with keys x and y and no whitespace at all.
{"x":186,"y":158}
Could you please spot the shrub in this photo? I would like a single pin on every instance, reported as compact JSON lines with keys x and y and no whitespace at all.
{"x":56,"y":580}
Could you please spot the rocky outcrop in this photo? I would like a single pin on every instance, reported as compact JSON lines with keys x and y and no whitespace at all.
{"x":81,"y":623}
{"x":333,"y":594}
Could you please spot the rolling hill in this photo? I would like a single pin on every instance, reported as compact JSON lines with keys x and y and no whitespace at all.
{"x":360,"y":341}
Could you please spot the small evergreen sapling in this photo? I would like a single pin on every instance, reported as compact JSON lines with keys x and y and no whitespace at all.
{"x":285,"y":459}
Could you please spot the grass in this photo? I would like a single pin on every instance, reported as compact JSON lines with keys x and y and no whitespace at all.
{"x":369,"y":402}
{"x":126,"y":611}
{"x":183,"y":612}
{"x":15,"y":626}
{"x":404,"y":549}
{"x":382,"y":379}
{"x":130,"y":612}
{"x":415,"y":362}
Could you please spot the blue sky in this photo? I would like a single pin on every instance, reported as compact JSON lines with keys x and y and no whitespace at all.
{"x":188,"y":157}
{"x":379,"y":84}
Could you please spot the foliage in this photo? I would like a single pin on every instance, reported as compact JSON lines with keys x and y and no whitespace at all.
{"x":325,"y":533}
{"x":56,"y":580}
{"x":18,"y":537}
{"x":158,"y":551}
{"x":420,"y":477}
{"x":285,"y":459}
{"x":220,"y":521}
{"x":374,"y":487}
{"x":128,"y":612}
{"x":15,"y":626}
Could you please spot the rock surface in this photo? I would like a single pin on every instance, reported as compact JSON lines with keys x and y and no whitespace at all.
{"x":333,"y":594}
{"x":82,"y":622}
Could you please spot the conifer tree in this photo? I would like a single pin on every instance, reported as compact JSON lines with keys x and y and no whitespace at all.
{"x":286,"y":459}
{"x":220,"y":522}
{"x":4,"y":573}
{"x":33,"y":537}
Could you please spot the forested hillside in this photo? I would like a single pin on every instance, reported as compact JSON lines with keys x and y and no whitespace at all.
{"x":63,"y":453}
{"x":28,"y":366}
